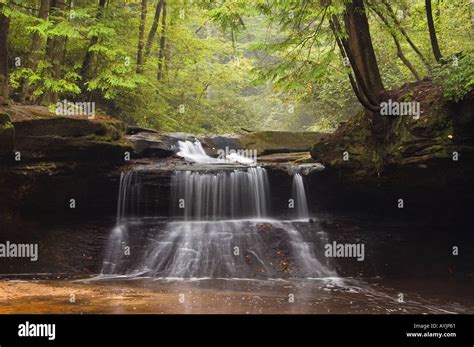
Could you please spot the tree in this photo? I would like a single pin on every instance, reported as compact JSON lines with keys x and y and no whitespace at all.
{"x":35,"y":48}
{"x":161,"y":55}
{"x":153,"y":29}
{"x":253,"y":59}
{"x":4,"y":28}
{"x":432,"y":30}
{"x":86,"y":64}
{"x":356,"y":46}
{"x":55,"y":48}
{"x":360,"y":49}
{"x":141,"y":37}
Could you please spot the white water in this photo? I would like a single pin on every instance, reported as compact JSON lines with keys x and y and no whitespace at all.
{"x":299,"y":196}
{"x":240,"y":159}
{"x":222,"y":230}
{"x":221,"y":195}
{"x":224,"y":249}
{"x":194,"y":152}
{"x":127,"y":204}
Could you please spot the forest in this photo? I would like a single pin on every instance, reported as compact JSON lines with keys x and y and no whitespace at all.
{"x":203,"y":66}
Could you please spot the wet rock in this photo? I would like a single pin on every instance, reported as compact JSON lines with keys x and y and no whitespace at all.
{"x":148,"y":144}
{"x":276,"y":146}
{"x":214,"y":143}
{"x":159,"y":145}
{"x":264,"y":227}
{"x":284,"y":264}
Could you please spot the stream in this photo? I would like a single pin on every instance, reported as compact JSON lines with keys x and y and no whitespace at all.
{"x":222,"y":248}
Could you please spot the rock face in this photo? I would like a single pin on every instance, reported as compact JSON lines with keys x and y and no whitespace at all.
{"x":152,"y":144}
{"x":421,"y":159}
{"x":43,"y":136}
{"x":50,"y":159}
{"x":148,"y":144}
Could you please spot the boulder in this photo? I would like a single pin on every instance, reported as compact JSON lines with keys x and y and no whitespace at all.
{"x":429,"y":141}
{"x":148,"y":144}
{"x":39,"y":121}
{"x":427,"y":161}
{"x":44,"y":136}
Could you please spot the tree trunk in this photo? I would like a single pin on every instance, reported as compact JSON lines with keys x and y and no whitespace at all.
{"x":361,"y":96}
{"x":360,"y":50}
{"x":153,"y":29}
{"x":405,"y":60}
{"x":86,"y":64}
{"x":35,"y":49}
{"x":4,"y":27}
{"x":141,"y":37}
{"x":431,"y":27}
{"x":161,"y":56}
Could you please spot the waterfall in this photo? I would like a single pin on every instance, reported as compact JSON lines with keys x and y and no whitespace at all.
{"x":225,"y":194}
{"x":221,"y":228}
{"x":193,"y":151}
{"x":128,"y":201}
{"x":127,"y":205}
{"x":225,"y":249}
{"x":299,"y":196}
{"x":219,"y":249}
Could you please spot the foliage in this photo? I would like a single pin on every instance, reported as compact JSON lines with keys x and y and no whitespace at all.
{"x":228,"y":64}
{"x":456,"y":76}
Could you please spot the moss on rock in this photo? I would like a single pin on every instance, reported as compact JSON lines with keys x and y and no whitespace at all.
{"x":43,"y":136}
{"x":406,"y":141}
{"x":268,"y":142}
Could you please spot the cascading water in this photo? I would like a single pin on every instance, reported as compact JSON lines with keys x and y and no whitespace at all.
{"x":194,"y":152}
{"x":127,"y":205}
{"x":221,"y":228}
{"x":299,"y":196}
{"x":222,"y":195}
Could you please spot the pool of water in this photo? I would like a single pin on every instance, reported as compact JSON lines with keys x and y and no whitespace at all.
{"x":408,"y":268}
{"x":236,"y":296}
